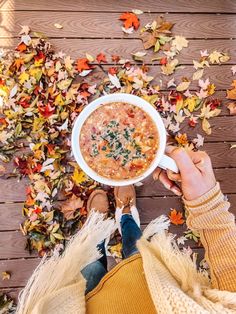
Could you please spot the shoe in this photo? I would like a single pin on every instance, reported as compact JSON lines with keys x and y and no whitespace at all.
{"x":125,"y":196}
{"x":98,"y":201}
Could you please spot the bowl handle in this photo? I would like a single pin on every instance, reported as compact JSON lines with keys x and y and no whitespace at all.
{"x":168,"y":163}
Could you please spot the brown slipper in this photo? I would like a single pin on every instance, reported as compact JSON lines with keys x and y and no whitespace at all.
{"x":98,"y":201}
{"x":125,"y":195}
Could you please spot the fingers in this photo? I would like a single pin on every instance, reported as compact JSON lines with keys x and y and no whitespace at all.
{"x":201,"y":160}
{"x":168,"y":184}
{"x":156,"y":174}
{"x":173,"y":176}
{"x":182,"y":159}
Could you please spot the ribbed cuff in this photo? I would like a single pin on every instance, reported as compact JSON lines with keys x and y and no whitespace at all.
{"x":205,"y":202}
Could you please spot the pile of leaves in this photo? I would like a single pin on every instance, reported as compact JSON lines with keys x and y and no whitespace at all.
{"x":43,"y":91}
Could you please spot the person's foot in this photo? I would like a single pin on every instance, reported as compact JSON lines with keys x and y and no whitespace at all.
{"x":125,"y":197}
{"x":98,"y":201}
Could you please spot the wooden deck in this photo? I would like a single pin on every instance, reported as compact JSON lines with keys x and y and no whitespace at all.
{"x":92,"y":26}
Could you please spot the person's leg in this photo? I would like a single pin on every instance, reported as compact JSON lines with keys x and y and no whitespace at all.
{"x":127,"y":218}
{"x":130,"y":234}
{"x":103,"y":258}
{"x":95,"y":271}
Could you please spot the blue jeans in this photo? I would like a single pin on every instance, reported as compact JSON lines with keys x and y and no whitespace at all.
{"x":95,"y":271}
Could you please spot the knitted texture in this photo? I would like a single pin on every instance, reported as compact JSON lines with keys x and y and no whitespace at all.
{"x":170,"y":276}
{"x":210,"y":217}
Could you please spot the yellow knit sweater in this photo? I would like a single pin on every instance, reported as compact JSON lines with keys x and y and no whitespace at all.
{"x":160,"y":280}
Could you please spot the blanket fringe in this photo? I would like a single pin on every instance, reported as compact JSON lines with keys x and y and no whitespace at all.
{"x":57,"y":272}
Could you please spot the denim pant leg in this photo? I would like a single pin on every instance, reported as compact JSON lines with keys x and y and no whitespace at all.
{"x":94,"y":272}
{"x":130,"y":234}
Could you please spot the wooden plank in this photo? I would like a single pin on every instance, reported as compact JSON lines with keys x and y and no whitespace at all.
{"x":20,"y":270}
{"x":151,"y":208}
{"x":13,"y":190}
{"x":103,"y":25}
{"x":123,"y":5}
{"x":11,"y":216}
{"x":226,"y":177}
{"x":12,"y":245}
{"x":77,"y":47}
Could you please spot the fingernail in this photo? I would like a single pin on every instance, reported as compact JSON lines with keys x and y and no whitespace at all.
{"x":176,"y":191}
{"x":166,"y":185}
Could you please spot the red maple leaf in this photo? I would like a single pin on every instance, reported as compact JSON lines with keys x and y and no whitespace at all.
{"x":24,"y":102}
{"x":39,"y":56}
{"x":101,"y":58}
{"x":46,"y":111}
{"x":37,"y":210}
{"x":163,"y":61}
{"x":191,"y":123}
{"x":130,"y":19}
{"x":112,"y":70}
{"x":82,"y":64}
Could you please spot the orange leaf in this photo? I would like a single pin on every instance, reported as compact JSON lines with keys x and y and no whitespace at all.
{"x":176,"y":218}
{"x":21,"y":47}
{"x":101,"y":58}
{"x":231,"y":94}
{"x":18,"y":63}
{"x":82,"y":64}
{"x":130,"y":19}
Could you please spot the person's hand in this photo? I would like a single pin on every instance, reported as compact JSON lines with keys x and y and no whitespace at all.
{"x":196,"y":175}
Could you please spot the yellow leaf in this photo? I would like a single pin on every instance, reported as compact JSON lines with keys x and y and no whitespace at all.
{"x":183,"y":86}
{"x":198,"y":74}
{"x":49,"y":216}
{"x":58,"y":236}
{"x":211,"y":89}
{"x":89,"y":57}
{"x":79,"y":176}
{"x":59,"y":100}
{"x":23,"y":77}
{"x":180,"y":42}
{"x":206,"y":126}
{"x":6,"y":275}
{"x":190,"y":103}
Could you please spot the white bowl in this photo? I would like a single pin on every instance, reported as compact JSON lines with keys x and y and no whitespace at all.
{"x":127,"y":98}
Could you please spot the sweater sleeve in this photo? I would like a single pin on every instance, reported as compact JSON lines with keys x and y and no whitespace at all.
{"x":209,"y":216}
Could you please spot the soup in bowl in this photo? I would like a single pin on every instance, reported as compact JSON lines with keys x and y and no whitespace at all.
{"x":119,"y":139}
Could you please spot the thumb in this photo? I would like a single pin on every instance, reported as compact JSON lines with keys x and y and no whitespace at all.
{"x":182,"y":159}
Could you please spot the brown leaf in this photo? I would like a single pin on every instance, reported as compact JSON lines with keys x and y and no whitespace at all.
{"x":69,"y":207}
{"x":232,"y":108}
{"x":149,"y":40}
